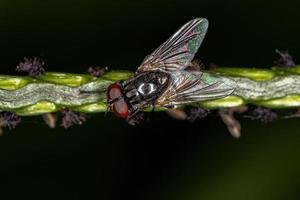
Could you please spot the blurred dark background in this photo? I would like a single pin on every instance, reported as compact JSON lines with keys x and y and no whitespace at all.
{"x":105,"y":158}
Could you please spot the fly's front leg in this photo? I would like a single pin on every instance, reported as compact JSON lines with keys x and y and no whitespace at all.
{"x":133,"y":111}
{"x":135,"y":116}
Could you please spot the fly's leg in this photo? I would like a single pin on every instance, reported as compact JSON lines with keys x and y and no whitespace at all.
{"x":135,"y":116}
{"x":133,"y":112}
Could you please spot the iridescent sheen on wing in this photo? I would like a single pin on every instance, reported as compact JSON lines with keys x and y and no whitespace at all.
{"x":179,"y":50}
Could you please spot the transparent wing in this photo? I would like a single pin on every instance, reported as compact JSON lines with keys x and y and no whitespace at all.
{"x":178,"y":51}
{"x":190,"y":87}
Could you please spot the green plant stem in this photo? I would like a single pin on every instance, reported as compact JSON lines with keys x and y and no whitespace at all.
{"x":276,"y":88}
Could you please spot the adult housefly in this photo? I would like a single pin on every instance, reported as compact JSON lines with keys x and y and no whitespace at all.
{"x":166,"y":77}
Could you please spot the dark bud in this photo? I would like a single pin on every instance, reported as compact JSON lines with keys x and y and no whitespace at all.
{"x":9,"y":119}
{"x":285,"y":60}
{"x":264,"y":115}
{"x":31,"y":66}
{"x":194,"y":113}
{"x":71,"y":118}
{"x":97,"y":71}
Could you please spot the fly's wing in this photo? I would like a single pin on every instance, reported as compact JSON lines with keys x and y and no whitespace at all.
{"x":178,"y":51}
{"x":189,"y":87}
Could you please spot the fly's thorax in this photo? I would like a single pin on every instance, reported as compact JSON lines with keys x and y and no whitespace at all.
{"x":145,"y":86}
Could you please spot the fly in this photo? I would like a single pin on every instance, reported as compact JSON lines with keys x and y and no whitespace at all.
{"x":167,"y":78}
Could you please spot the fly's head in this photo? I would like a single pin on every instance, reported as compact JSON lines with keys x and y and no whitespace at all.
{"x":115,"y":100}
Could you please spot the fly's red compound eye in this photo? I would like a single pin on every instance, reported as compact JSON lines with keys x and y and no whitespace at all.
{"x":113,"y":91}
{"x":119,"y":107}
